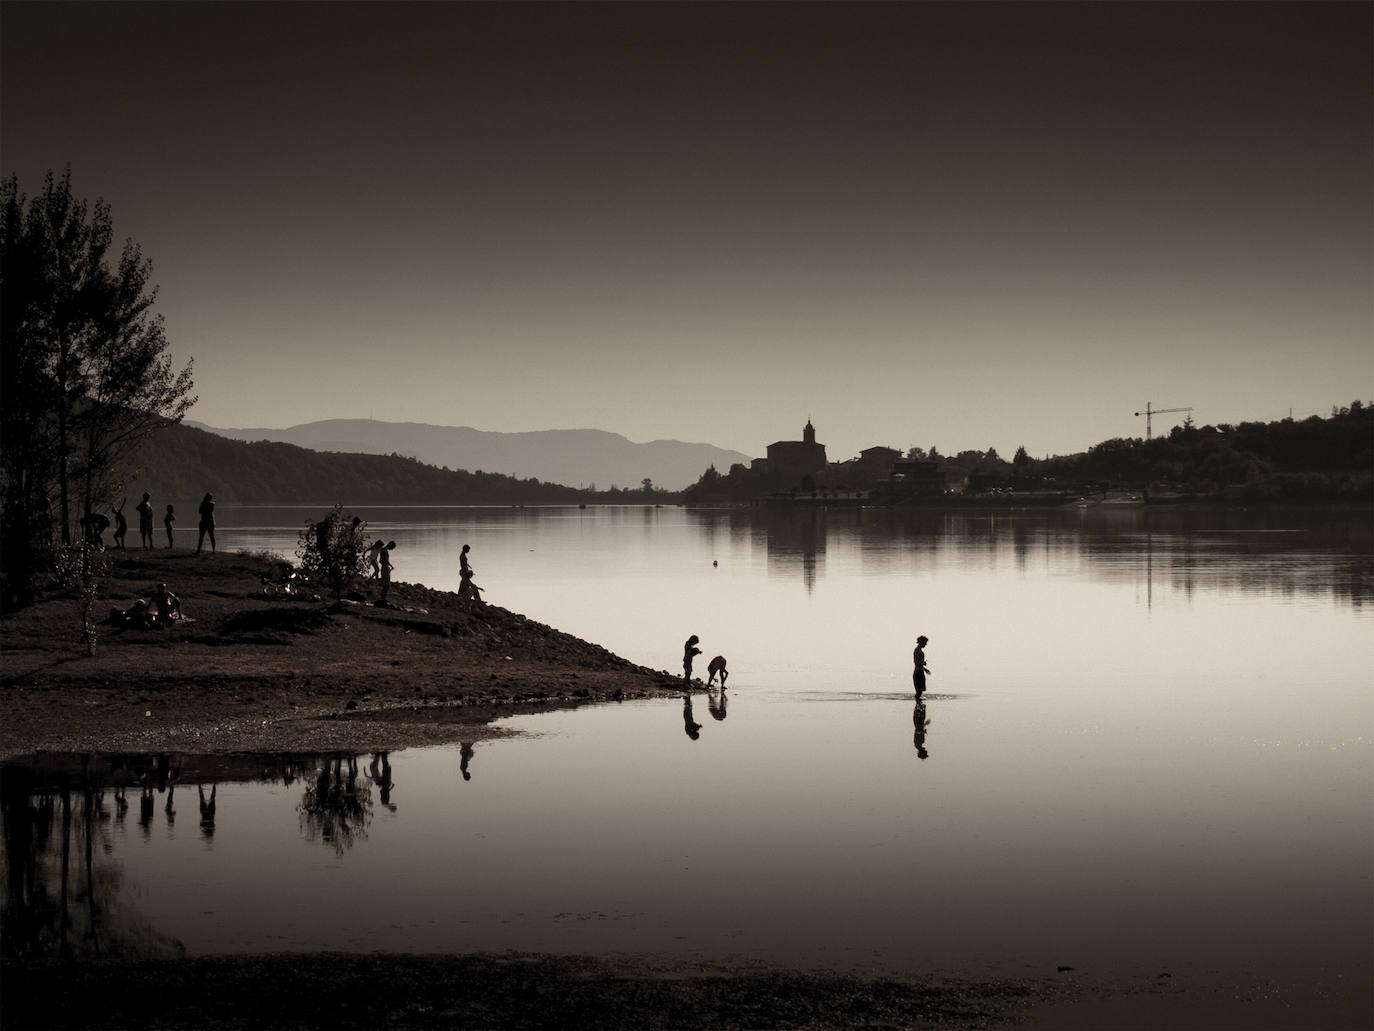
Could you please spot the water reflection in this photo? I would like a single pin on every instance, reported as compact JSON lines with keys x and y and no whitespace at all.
{"x":1288,"y":550}
{"x":920,"y":722}
{"x":689,"y":725}
{"x":715,"y":703}
{"x":336,"y":807}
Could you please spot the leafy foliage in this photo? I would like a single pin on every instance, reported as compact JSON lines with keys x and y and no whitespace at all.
{"x":333,"y":551}
{"x":86,"y":375}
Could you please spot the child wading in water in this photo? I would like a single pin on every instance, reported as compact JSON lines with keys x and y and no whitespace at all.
{"x":918,"y":675}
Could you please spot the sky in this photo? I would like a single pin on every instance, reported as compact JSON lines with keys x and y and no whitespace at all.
{"x":966,"y":225}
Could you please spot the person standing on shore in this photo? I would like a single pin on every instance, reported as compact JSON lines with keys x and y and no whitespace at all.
{"x":688,"y":651}
{"x":386,"y":570}
{"x":374,"y":555}
{"x":207,"y":522}
{"x":167,"y":521}
{"x":145,"y":521}
{"x":121,"y":524}
{"x":467,"y":588}
{"x":918,"y":657}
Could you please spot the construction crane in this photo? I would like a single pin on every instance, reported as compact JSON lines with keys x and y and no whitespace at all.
{"x":1149,"y":412}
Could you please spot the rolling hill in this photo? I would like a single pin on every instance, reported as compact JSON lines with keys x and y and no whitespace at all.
{"x":577,"y":458}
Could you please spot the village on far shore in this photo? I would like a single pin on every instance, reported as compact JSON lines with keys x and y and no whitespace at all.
{"x":1314,"y":459}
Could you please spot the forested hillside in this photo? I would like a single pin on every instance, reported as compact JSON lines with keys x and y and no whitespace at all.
{"x":182,"y":463}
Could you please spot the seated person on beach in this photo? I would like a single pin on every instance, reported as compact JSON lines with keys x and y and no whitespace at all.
{"x":165,"y":606}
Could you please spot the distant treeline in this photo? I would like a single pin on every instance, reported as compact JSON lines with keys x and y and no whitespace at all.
{"x":1313,"y":459}
{"x":182,"y":462}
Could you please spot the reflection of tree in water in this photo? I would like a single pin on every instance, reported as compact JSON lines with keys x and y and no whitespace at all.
{"x":62,"y":890}
{"x":336,"y":807}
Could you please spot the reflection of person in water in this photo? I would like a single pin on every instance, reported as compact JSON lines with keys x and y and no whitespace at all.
{"x":207,"y":811}
{"x":919,"y":721}
{"x":921,"y":671}
{"x":382,"y":779}
{"x":715,"y":702}
{"x":691,"y":726}
{"x":689,"y":650}
{"x":145,"y":807}
{"x":464,"y":757}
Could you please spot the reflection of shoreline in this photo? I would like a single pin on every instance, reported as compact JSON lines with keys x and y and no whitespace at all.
{"x":1290,"y":549}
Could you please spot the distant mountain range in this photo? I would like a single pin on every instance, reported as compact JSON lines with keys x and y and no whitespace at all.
{"x":577,"y":458}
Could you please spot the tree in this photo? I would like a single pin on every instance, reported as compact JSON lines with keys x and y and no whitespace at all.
{"x":647,"y":484}
{"x":1021,"y":457}
{"x":333,"y":552}
{"x":82,"y":339}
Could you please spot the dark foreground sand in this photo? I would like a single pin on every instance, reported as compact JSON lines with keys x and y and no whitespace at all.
{"x":260,"y":671}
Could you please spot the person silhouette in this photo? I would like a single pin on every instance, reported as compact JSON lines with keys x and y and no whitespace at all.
{"x":921,"y":670}
{"x":467,"y":587}
{"x":121,"y":525}
{"x":386,"y":571}
{"x":465,"y":754}
{"x":374,"y":554}
{"x":94,"y":525}
{"x":689,"y":649}
{"x":715,"y":703}
{"x":167,"y":521}
{"x":717,"y":666}
{"x":689,"y":725}
{"x":145,"y":521}
{"x":919,"y":722}
{"x":207,"y":522}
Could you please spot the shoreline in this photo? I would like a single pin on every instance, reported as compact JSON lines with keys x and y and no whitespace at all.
{"x":253,"y":669}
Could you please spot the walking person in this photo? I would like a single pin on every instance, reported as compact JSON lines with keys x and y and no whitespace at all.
{"x":689,"y":650}
{"x":921,"y":670}
{"x":207,"y":522}
{"x":145,"y":521}
{"x":167,"y":521}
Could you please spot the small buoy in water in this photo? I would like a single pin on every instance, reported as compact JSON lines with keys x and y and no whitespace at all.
{"x":714,"y":563}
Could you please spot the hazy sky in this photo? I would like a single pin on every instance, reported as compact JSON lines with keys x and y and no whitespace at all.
{"x":961,"y":224}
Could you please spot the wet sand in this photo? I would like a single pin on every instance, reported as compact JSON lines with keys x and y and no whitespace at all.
{"x":255,"y":670}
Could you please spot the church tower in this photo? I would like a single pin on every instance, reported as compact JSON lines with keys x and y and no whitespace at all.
{"x":809,"y":433}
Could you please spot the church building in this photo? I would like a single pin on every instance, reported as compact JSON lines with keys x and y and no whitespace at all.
{"x":793,"y":459}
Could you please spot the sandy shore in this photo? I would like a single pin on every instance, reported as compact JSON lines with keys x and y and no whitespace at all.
{"x":256,"y":670}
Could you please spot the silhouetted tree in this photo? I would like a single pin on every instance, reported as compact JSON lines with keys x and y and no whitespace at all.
{"x":91,"y":374}
{"x":333,"y":551}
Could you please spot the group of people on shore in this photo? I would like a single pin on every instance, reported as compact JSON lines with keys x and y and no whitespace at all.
{"x":94,"y":524}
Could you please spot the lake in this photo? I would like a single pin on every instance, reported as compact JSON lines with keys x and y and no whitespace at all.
{"x":1145,"y":747}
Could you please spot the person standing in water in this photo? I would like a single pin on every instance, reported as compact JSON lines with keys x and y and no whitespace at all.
{"x":688,"y":651}
{"x":167,"y":520}
{"x":918,"y":657}
{"x":717,"y":666}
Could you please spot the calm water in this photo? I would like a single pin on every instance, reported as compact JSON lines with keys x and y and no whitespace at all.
{"x":1148,"y":748}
